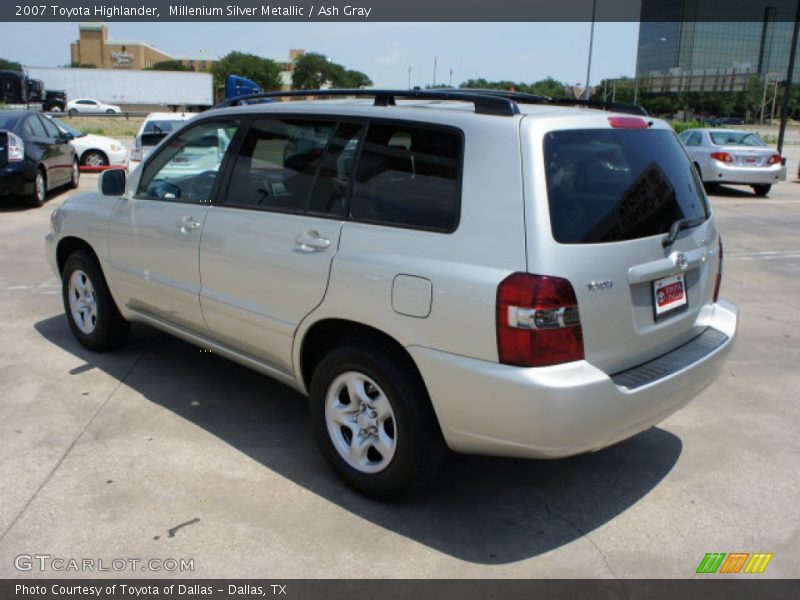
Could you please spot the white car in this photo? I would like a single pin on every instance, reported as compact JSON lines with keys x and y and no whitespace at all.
{"x":155,"y":128}
{"x":89,"y":106}
{"x":94,"y":150}
{"x":733,"y":156}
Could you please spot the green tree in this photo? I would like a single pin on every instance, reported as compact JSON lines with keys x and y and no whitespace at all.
{"x":264,"y":71}
{"x":352,"y":79}
{"x":314,"y":71}
{"x":8,"y":65}
{"x":168,"y":65}
{"x":80,"y":65}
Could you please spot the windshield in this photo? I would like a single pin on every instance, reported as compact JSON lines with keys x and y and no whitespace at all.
{"x":610,"y":185}
{"x":736,"y":138}
{"x":68,"y":128}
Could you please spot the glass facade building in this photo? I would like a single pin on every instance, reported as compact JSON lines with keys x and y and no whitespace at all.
{"x":689,"y":36}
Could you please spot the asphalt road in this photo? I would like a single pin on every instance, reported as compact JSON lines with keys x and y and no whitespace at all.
{"x":162,"y":451}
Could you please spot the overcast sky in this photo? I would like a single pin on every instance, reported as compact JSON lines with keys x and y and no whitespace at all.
{"x":384,"y":51}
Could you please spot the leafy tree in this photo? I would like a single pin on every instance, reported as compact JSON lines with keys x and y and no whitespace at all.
{"x":353,"y":79}
{"x":168,"y":65}
{"x":544,"y":87}
{"x":313,"y":71}
{"x":264,"y":71}
{"x":7,"y":65}
{"x":80,"y":65}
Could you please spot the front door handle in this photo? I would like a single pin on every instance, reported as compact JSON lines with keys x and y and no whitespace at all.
{"x":310,"y":241}
{"x":187,"y":224}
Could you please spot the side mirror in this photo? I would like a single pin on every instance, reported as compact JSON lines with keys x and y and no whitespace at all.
{"x":67,"y":137}
{"x":112,"y":182}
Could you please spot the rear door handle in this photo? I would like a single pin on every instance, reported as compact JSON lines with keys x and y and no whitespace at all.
{"x":187,"y":224}
{"x":310,"y":241}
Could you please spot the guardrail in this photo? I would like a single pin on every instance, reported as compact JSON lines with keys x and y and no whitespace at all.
{"x":119,"y":115}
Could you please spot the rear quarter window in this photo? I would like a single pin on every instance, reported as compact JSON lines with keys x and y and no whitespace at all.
{"x":409,"y":176}
{"x":611,"y":185}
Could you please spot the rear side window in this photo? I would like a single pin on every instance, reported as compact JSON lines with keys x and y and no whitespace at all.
{"x":611,"y":185}
{"x":409,"y":177}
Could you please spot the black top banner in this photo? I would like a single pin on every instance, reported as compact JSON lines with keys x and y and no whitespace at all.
{"x":398,"y":10}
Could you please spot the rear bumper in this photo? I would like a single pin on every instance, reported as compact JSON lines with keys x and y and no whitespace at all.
{"x":717,"y":172}
{"x":15,"y":180}
{"x":550,"y":412}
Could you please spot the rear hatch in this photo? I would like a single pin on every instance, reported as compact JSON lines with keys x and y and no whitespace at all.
{"x":600,"y":203}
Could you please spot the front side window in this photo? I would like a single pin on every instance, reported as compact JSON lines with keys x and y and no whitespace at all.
{"x":50,"y":129}
{"x":409,"y":176}
{"x":292,"y":165}
{"x":187,"y":169}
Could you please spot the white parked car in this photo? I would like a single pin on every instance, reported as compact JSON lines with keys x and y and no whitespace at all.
{"x":155,"y":128}
{"x":94,"y":150}
{"x":480,"y":272}
{"x":87,"y":105}
{"x":733,"y":156}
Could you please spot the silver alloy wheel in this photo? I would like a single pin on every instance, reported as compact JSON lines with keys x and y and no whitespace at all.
{"x":360,"y":422}
{"x":94,"y":159}
{"x":82,"y":302}
{"x":41,"y":190}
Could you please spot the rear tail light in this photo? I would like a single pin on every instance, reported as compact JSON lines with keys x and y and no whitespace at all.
{"x":774,"y":159}
{"x":136,"y":151}
{"x":627,"y":122}
{"x":719,"y":273}
{"x":537,"y":321}
{"x":722,"y":157}
{"x":16,"y":148}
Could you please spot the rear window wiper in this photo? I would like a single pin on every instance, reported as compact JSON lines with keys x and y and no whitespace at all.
{"x":679,"y":226}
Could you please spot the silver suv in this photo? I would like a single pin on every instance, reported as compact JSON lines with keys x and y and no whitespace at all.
{"x":492,"y":274}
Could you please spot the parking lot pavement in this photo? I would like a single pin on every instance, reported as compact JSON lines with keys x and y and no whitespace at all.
{"x":162,"y":451}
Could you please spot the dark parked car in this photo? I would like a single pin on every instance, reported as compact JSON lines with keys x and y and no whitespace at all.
{"x":35,"y":157}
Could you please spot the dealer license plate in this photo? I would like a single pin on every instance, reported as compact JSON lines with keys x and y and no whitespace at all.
{"x":669,"y":294}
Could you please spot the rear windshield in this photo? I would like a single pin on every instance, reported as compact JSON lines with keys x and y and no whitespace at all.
{"x":611,"y":185}
{"x":156,"y":130}
{"x":736,"y":138}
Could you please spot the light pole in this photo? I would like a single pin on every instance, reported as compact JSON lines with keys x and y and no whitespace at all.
{"x":589,"y":61}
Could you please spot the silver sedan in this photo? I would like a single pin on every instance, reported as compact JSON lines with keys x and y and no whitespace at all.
{"x":733,"y":156}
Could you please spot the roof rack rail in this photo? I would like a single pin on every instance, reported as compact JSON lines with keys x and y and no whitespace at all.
{"x":631,"y":109}
{"x":525,"y":98}
{"x":485,"y":104}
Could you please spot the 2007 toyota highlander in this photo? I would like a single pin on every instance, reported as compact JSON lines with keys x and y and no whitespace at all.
{"x":488,"y":273}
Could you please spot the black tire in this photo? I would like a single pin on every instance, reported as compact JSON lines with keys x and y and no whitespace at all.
{"x":75,"y":175}
{"x":420,"y":448}
{"x":110,"y":329}
{"x":94,"y":158}
{"x":761,"y":190}
{"x":39,"y":194}
{"x":72,"y":112}
{"x":110,"y":112}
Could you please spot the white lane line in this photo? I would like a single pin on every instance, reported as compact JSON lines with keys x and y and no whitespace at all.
{"x":764,"y":255}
